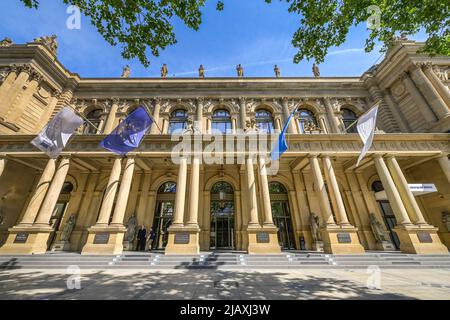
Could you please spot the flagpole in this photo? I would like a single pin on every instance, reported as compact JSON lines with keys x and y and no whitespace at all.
{"x":151,"y":117}
{"x":83,"y":117}
{"x":356,"y":121}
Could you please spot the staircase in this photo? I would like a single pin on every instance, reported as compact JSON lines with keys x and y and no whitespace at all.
{"x":229,"y":261}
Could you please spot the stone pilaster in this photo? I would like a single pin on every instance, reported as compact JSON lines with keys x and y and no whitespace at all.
{"x":435,"y":101}
{"x":421,"y":103}
{"x":156,"y":117}
{"x":334,"y":125}
{"x":109,"y":125}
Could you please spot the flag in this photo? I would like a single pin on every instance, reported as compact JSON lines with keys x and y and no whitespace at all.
{"x":281,"y":145}
{"x":129,"y":133}
{"x":366,"y":128}
{"x":55,"y":135}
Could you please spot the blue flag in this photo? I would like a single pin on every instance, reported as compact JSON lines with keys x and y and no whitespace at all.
{"x":129,"y":133}
{"x":281,"y":145}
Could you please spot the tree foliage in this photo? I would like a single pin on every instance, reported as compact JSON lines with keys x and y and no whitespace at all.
{"x":138,"y":25}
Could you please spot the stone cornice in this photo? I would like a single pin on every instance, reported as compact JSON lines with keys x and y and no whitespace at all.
{"x":336,"y":144}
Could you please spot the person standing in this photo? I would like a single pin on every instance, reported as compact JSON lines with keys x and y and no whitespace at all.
{"x":151,"y":238}
{"x":141,"y":237}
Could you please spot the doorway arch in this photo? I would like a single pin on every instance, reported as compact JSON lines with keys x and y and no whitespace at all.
{"x":281,"y":214}
{"x":222,"y":206}
{"x":164,"y":211}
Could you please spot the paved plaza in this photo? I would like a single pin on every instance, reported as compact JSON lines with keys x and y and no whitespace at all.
{"x":236,"y":285}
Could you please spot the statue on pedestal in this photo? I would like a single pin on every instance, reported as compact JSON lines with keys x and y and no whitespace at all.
{"x":377,"y":229}
{"x":315,"y":227}
{"x":131,"y":229}
{"x":240,"y":71}
{"x":49,"y":41}
{"x":68,"y":228}
{"x":164,"y":71}
{"x":277,"y":71}
{"x":201,"y":71}
{"x":6,"y":42}
{"x":316,"y":70}
{"x":126,"y":72}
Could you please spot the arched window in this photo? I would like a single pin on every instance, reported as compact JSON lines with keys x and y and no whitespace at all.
{"x":264,"y":121}
{"x":377,"y":186}
{"x":67,"y":188}
{"x":278,"y":188}
{"x":306,"y":119}
{"x":178,"y":120}
{"x":221,"y":121}
{"x":349,"y":117}
{"x":168,"y":187}
{"x":94,"y":117}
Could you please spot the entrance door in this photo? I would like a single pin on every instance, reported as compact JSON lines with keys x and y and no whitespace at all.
{"x":222,"y":217}
{"x":282,"y":215}
{"x":165,"y":208}
{"x":390,"y":221}
{"x":58,"y":212}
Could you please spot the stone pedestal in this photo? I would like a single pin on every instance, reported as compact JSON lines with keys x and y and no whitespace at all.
{"x":318,"y":246}
{"x":61,"y":246}
{"x":26,"y":240}
{"x":420,"y":239}
{"x":385,"y":246}
{"x":104,"y":240}
{"x":183,"y":240}
{"x":263,"y":240}
{"x":341,"y":240}
{"x":128,"y":246}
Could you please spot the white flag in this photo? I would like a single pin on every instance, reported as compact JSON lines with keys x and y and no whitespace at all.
{"x":55,"y":135}
{"x":366,"y":128}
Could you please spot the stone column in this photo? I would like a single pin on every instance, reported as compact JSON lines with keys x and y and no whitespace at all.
{"x":268,"y":220}
{"x":156,"y":111}
{"x":421,"y":103}
{"x":252,"y":202}
{"x":286,"y":115}
{"x":408,"y":199}
{"x":322,"y":123}
{"x":391,"y":191}
{"x":444,"y":162}
{"x":54,"y":190}
{"x":439,"y":85}
{"x":110,"y":193}
{"x":109,"y":125}
{"x":334,"y":125}
{"x":199,"y":114}
{"x":181,"y":194}
{"x":335,"y":193}
{"x":2,"y":165}
{"x":194,"y":192}
{"x":124,"y":192}
{"x":435,"y":101}
{"x":38,"y":196}
{"x":242,"y":112}
{"x":321,"y":191}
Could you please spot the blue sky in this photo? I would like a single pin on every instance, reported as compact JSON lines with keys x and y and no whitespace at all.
{"x":249,"y":32}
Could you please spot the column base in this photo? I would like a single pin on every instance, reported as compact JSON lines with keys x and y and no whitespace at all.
{"x":420,"y":239}
{"x":26,"y":240}
{"x":263,"y":240}
{"x":104,"y":240}
{"x":183,"y":240}
{"x":61,"y":246}
{"x":341,"y":239}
